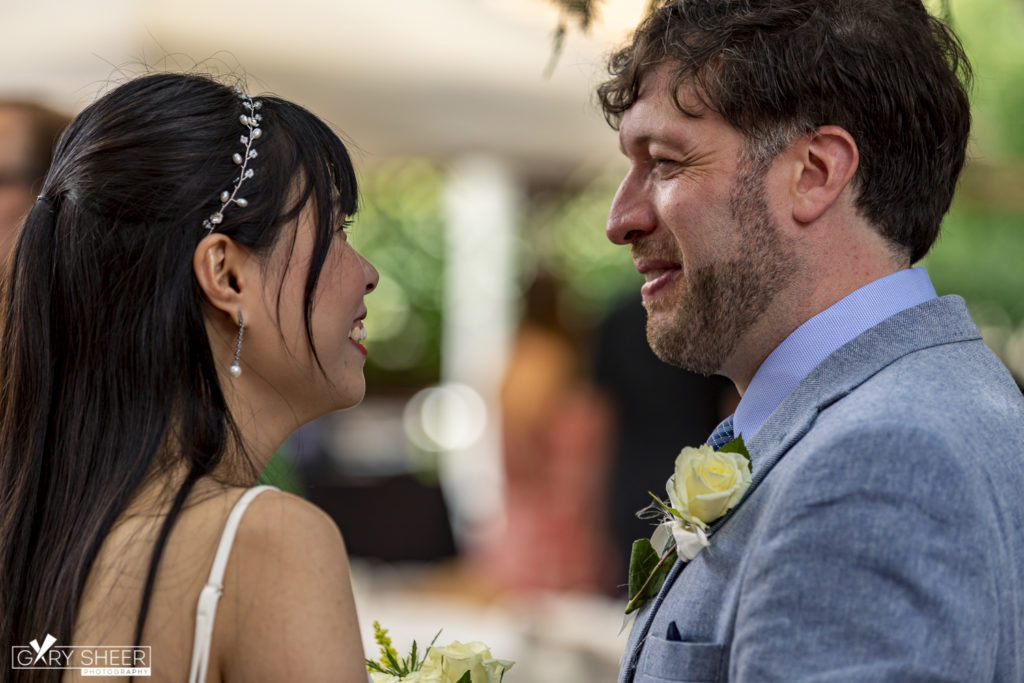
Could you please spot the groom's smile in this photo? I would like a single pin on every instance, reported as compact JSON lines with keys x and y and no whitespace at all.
{"x":658,"y":275}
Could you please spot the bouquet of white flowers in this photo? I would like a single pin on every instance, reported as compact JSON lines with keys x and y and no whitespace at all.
{"x":453,"y":663}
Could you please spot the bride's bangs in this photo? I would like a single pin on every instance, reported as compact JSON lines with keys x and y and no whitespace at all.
{"x":322,"y":171}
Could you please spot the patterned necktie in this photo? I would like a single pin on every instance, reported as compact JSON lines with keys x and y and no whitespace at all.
{"x":722,"y":434}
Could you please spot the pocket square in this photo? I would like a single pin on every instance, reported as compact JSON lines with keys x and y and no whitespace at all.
{"x":673,"y":633}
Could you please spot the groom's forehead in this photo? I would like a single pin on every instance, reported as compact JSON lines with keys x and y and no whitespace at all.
{"x":668,"y":113}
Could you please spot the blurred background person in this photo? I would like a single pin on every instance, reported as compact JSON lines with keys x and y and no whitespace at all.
{"x":28,"y":135}
{"x":555,"y":428}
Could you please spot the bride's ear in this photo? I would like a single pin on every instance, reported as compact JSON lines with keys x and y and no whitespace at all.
{"x":220,"y":265}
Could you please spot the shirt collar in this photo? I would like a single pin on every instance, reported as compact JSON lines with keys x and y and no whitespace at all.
{"x":816,"y":339}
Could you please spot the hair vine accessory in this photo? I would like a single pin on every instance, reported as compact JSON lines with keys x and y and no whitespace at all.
{"x":251,"y":121}
{"x":235,"y":368}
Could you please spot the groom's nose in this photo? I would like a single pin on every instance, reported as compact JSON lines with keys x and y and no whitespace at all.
{"x":631,"y":215}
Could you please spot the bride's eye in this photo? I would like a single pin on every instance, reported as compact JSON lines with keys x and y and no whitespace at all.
{"x":343,"y":227}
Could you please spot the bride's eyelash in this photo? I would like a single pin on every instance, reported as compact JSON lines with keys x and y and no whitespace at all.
{"x":345,"y":225}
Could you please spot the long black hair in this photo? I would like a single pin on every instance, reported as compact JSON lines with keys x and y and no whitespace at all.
{"x":107,"y":373}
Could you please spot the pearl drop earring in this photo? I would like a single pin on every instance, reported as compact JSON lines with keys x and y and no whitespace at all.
{"x":235,"y":369}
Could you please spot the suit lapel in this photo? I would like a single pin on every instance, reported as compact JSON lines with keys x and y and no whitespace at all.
{"x":933,"y":323}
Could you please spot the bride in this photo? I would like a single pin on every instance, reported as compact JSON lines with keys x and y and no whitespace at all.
{"x":181,"y":298}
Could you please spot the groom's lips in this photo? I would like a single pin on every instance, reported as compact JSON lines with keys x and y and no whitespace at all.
{"x":659,"y":273}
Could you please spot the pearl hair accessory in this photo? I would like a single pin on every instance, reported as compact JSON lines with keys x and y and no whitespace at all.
{"x":235,"y":368}
{"x":251,"y":121}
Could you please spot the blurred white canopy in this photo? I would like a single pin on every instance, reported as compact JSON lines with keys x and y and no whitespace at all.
{"x":398,"y":77}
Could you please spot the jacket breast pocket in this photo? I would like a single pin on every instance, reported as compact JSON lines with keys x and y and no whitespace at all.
{"x":669,"y":660}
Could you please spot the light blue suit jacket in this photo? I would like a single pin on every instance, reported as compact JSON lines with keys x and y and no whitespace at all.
{"x":882,"y":538}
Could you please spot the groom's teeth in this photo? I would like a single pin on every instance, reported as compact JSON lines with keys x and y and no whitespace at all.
{"x":653,"y":274}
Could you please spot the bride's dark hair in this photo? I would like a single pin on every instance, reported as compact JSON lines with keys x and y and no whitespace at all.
{"x":107,"y":373}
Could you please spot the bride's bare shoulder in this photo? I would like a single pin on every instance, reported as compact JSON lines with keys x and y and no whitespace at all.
{"x":287,"y":592}
{"x":286,"y":544}
{"x":282,"y":519}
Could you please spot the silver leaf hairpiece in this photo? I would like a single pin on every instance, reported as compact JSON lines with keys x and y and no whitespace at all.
{"x":251,"y":121}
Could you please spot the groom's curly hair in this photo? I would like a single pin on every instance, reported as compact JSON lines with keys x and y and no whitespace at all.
{"x":886,"y":71}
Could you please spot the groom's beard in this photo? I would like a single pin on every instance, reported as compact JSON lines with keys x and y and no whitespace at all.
{"x":721,"y":301}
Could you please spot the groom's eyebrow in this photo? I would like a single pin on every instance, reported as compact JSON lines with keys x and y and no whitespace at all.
{"x":645,"y":140}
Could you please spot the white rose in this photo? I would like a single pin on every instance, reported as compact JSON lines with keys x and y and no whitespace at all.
{"x":496,"y":668}
{"x":424,"y":675}
{"x":706,"y":483}
{"x":452,"y":661}
{"x":378,"y":677}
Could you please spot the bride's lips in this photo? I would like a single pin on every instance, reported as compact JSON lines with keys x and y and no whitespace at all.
{"x":659,"y":274}
{"x":358,"y":334}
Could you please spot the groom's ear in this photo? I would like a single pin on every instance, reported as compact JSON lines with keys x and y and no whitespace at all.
{"x":221,"y":267}
{"x":823,"y":164}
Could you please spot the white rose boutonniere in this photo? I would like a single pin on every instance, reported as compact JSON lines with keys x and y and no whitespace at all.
{"x":705,"y":485}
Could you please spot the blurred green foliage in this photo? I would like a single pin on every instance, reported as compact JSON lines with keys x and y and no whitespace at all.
{"x":980,"y":251}
{"x":991,"y":32}
{"x":979,"y":256}
{"x":400,"y":229}
{"x":564,"y":235}
{"x":280,"y":472}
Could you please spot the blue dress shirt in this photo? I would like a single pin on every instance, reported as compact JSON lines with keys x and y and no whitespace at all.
{"x":816,"y":339}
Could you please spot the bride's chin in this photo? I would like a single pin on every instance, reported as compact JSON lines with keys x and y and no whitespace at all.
{"x":348,"y":395}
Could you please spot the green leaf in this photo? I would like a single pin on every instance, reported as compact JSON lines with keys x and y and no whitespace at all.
{"x":642,"y":561}
{"x":466,"y":678}
{"x":392,"y":661}
{"x":737,"y":446}
{"x":418,"y":664}
{"x":647,"y":571}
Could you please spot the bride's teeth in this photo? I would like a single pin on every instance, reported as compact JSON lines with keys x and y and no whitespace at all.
{"x":358,"y":333}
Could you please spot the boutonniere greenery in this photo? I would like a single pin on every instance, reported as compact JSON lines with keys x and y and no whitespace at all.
{"x":705,"y":485}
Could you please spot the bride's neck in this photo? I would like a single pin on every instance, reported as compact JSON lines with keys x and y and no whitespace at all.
{"x":264,"y":419}
{"x":168,"y":473}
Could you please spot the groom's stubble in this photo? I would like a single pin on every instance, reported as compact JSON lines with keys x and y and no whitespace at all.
{"x":721,"y":301}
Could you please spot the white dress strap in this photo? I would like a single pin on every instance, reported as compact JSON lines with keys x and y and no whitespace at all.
{"x":210,"y":595}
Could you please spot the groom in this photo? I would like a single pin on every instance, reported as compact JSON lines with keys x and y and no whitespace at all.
{"x":789,"y":160}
